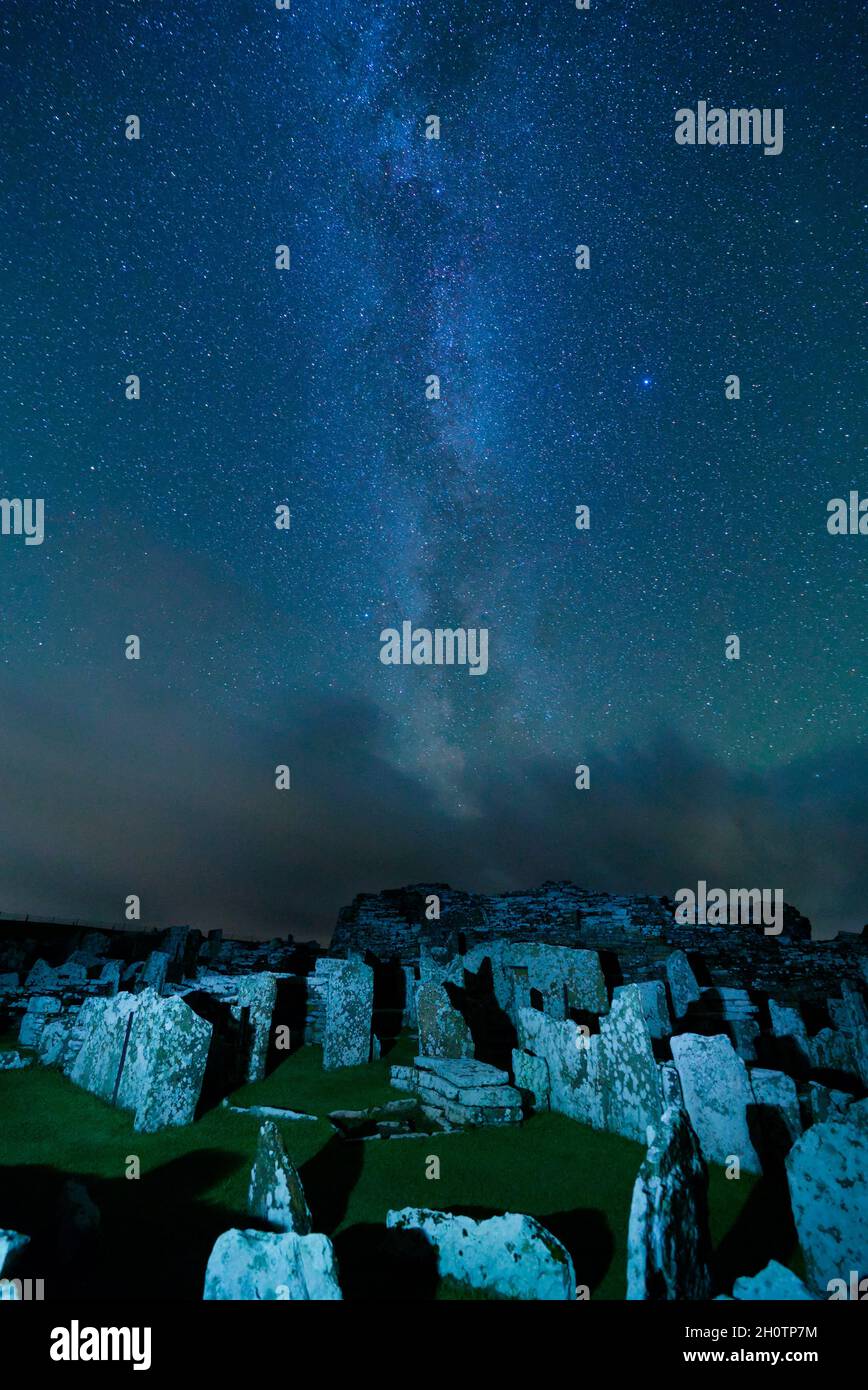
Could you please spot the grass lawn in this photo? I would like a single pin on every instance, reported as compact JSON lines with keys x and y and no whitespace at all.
{"x":157,"y":1232}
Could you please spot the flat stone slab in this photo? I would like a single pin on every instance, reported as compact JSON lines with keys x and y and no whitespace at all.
{"x":463,"y":1071}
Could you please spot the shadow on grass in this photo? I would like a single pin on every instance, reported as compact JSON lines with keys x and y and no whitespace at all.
{"x":130,"y":1254}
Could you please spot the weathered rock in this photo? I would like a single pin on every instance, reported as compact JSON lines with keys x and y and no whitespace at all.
{"x":573,"y":1060}
{"x":276,"y":1194}
{"x":632,"y":1094}
{"x":11,"y":1245}
{"x":531,"y":1074}
{"x":668,"y":1241}
{"x":683,"y":987}
{"x":827,"y":1170}
{"x":13,"y":1061}
{"x":348,"y":1014}
{"x":655,"y":1007}
{"x":259,"y":1265}
{"x":670,"y":1084}
{"x":462,"y":1091}
{"x":40,"y":1008}
{"x":40,"y":976}
{"x":775,"y":1283}
{"x":257,"y":994}
{"x":106,"y":1023}
{"x":510,"y":1256}
{"x":717,"y":1094}
{"x":825,"y":1103}
{"x":775,"y":1120}
{"x":165,"y":1065}
{"x":110,"y":975}
{"x":154,"y":973}
{"x":442,"y":1030}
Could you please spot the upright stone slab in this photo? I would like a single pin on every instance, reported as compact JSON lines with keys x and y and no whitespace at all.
{"x":258,"y":995}
{"x":40,"y":1009}
{"x":632,"y":1092}
{"x":683,"y":986}
{"x":104,"y":1024}
{"x":827,"y":1170}
{"x":442,"y":1030}
{"x":276,"y":1194}
{"x":532,"y":1075}
{"x":259,"y":1265}
{"x":717,"y":1095}
{"x":573,"y":1059}
{"x":154,"y":972}
{"x":778,"y":1119}
{"x":348,"y":1015}
{"x":668,"y":1240}
{"x":165,"y":1065}
{"x":655,"y":1007}
{"x":510,"y":1256}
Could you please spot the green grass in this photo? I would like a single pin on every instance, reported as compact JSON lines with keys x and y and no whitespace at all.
{"x":157,"y":1231}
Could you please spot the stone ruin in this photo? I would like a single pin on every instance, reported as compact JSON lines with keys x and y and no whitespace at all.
{"x":706,"y":1045}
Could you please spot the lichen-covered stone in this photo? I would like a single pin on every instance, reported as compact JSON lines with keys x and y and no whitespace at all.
{"x":573,"y":1060}
{"x":717,"y":1094}
{"x":775,"y":1283}
{"x":348,"y":1015}
{"x":776,"y":1112}
{"x":632,"y":1093}
{"x":531,"y":1074}
{"x":683,"y":986}
{"x":510,"y":1256}
{"x":258,"y":994}
{"x":261,"y":1265}
{"x":40,"y":1008}
{"x":668,"y":1241}
{"x":154,"y":971}
{"x":11,"y":1245}
{"x":275,"y":1193}
{"x":655,"y":1007}
{"x":165,"y":1065}
{"x":827,"y":1171}
{"x":442,"y":1030}
{"x":98,"y":1063}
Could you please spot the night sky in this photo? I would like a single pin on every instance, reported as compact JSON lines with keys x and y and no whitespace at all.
{"x":306,"y":387}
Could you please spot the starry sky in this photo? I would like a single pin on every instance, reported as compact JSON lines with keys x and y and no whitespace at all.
{"x":306,"y":387}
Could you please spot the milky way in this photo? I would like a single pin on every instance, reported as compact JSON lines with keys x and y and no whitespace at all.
{"x":559,"y":387}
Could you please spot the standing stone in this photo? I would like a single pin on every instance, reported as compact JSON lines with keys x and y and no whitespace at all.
{"x":717,"y":1095}
{"x":778,"y":1120}
{"x":260,"y":1265}
{"x":154,"y":974}
{"x":258,"y":994}
{"x":510,"y":1256}
{"x":668,"y":1240}
{"x":632,"y":1094}
{"x":683,"y":986}
{"x":442,"y":1030}
{"x":104,"y":1023}
{"x":165,"y":1064}
{"x":39,"y":1010}
{"x":827,"y":1170}
{"x":349,"y":1012}
{"x":110,"y":976}
{"x":531,"y":1074}
{"x":276,"y":1194}
{"x":40,"y":976}
{"x":573,"y":1059}
{"x":655,"y":1007}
